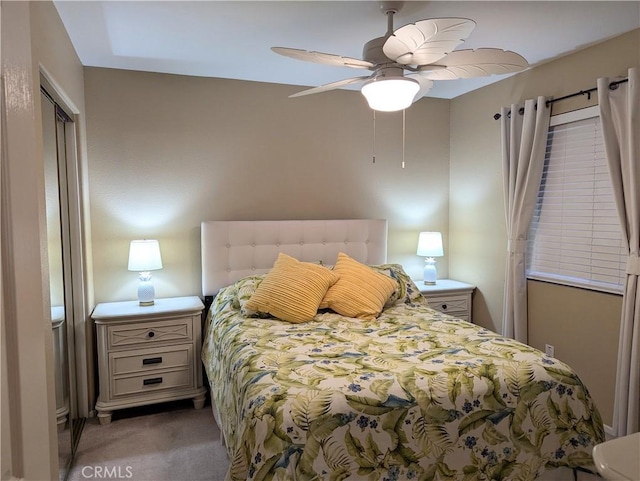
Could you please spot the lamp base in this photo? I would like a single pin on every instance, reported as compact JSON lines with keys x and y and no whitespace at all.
{"x":146,"y":291}
{"x":430,"y":273}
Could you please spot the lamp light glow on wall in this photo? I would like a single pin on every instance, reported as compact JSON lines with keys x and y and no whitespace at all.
{"x":144,"y":256}
{"x":389,"y":94}
{"x":430,"y":246}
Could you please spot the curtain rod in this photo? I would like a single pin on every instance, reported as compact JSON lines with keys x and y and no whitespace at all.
{"x":612,"y":86}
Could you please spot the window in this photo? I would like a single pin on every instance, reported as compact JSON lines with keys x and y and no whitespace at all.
{"x":575,"y":237}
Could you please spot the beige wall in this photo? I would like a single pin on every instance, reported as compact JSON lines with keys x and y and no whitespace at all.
{"x":583,"y":327}
{"x":167,"y":152}
{"x":476,"y":222}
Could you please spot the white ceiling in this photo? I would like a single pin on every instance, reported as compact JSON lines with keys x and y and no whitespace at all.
{"x":232,"y":39}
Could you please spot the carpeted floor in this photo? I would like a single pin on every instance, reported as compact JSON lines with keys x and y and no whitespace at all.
{"x":165,"y":442}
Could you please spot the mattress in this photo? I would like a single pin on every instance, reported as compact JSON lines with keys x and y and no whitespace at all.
{"x":413,"y":394}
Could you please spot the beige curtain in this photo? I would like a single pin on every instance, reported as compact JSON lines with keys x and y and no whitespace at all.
{"x":524,"y":140}
{"x":620,"y":118}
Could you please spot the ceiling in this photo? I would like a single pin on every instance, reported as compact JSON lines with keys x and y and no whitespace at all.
{"x":232,"y":39}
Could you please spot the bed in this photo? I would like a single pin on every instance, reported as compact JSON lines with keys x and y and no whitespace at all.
{"x":408,"y":394}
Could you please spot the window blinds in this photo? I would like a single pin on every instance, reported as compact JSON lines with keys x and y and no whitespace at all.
{"x":575,"y":237}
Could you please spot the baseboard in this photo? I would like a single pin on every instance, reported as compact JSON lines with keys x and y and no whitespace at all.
{"x":7,"y":476}
{"x":609,"y":433}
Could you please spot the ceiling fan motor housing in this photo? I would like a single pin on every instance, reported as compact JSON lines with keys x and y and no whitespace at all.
{"x":388,"y":72}
{"x":372,"y":51}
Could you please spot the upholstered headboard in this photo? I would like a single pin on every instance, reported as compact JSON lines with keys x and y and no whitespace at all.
{"x":232,"y":250}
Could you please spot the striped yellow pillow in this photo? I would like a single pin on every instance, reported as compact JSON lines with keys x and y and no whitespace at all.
{"x":292,"y":290}
{"x":360,"y":292}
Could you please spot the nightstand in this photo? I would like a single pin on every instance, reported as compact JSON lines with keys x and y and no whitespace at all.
{"x":449,"y":296}
{"x":148,"y":354}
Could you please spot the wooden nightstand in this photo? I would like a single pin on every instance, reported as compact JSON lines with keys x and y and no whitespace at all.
{"x":449,"y":296}
{"x":148,"y":354}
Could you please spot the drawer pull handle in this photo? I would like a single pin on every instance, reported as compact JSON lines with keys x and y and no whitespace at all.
{"x":153,"y":380}
{"x":444,"y":306}
{"x":151,"y":360}
{"x":151,"y":334}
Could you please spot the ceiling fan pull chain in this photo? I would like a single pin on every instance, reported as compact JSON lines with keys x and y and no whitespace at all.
{"x":374,"y":136}
{"x":403,"y":134}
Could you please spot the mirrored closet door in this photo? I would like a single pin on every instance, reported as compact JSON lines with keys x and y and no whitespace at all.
{"x":58,"y":132}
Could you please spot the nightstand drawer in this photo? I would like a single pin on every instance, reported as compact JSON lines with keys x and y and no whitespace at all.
{"x":450,"y":304}
{"x":132,"y":362}
{"x":152,"y":382}
{"x":140,"y":334}
{"x":449,"y":296}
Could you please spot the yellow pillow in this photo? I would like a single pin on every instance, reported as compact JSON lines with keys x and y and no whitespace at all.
{"x":292,"y":290}
{"x":360,"y":292}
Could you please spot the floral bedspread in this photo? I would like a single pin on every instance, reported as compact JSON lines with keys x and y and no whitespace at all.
{"x":415,"y":394}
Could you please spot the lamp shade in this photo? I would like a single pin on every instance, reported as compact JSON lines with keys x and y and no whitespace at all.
{"x":144,"y":255}
{"x":389,"y":94}
{"x":430,"y":244}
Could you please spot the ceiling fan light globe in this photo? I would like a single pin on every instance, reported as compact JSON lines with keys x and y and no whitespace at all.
{"x":390,"y":94}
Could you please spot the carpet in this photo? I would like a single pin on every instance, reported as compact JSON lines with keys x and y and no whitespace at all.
{"x":164,"y":442}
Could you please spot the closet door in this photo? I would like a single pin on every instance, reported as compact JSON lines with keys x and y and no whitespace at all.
{"x":58,"y":132}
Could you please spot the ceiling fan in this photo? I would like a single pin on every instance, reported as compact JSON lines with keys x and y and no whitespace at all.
{"x":405,"y":62}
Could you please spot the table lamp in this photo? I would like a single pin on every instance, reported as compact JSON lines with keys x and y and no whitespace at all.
{"x":144,"y":256}
{"x":430,"y":246}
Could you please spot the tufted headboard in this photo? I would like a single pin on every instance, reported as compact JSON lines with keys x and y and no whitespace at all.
{"x":232,"y":250}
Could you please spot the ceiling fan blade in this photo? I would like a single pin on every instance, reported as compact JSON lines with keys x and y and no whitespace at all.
{"x":331,"y":86}
{"x":324,"y":58}
{"x":425,"y":84}
{"x":474,"y":63}
{"x":427,"y":41}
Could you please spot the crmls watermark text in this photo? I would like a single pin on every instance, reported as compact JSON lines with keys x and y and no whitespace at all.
{"x":107,"y":472}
